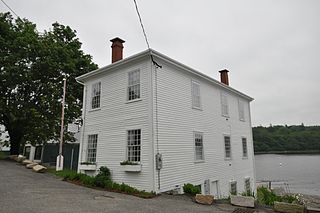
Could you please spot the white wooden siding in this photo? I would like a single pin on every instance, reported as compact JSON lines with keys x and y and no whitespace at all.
{"x":112,"y":120}
{"x":178,"y":121}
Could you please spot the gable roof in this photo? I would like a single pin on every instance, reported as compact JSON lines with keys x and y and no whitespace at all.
{"x":155,"y":54}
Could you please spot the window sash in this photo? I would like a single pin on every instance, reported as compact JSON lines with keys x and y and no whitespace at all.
{"x":233,"y":187}
{"x":196,"y":102}
{"x":198,"y":143}
{"x":96,"y":92}
{"x":244,"y":147}
{"x":134,"y":85}
{"x":224,"y":105}
{"x":227,"y":145}
{"x":241,"y":110}
{"x":247,"y":185}
{"x":92,"y":148}
{"x":134,"y":145}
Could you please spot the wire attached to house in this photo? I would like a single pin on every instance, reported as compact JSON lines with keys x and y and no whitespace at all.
{"x":145,"y":34}
{"x":10,"y":8}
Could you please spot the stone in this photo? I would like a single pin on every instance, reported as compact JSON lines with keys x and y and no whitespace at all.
{"x":288,"y":207}
{"x":244,"y":201}
{"x":25,"y":162}
{"x":31,"y":165}
{"x":20,"y":158}
{"x":12,"y":157}
{"x":39,"y":169}
{"x":204,"y":199}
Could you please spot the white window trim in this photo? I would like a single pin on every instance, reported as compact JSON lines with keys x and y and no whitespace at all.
{"x":127,"y":91}
{"x":222,"y":96}
{"x":91,"y":96}
{"x":245,"y":185}
{"x":194,"y":147}
{"x":241,"y":108}
{"x":224,"y":147}
{"x":87,"y":148}
{"x":192,"y":100}
{"x":230,"y":183}
{"x":126,"y":147}
{"x":244,"y":157}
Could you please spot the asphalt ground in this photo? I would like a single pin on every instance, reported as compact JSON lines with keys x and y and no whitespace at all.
{"x":22,"y":190}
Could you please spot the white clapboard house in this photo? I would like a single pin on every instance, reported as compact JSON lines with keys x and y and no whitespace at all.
{"x":168,"y":124}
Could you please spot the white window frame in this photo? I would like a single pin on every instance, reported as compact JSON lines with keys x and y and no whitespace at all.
{"x":96,"y":95}
{"x":196,"y":94}
{"x":198,"y":148}
{"x":225,"y":147}
{"x":134,"y":145}
{"x":91,"y":156}
{"x":134,"y":85}
{"x":233,"y":183}
{"x":247,"y":185}
{"x":241,"y":110}
{"x":224,"y":105}
{"x":244,"y":149}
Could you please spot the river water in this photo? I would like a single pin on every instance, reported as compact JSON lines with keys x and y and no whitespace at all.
{"x":295,"y":173}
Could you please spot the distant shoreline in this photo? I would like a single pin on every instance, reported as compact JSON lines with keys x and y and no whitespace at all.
{"x":289,"y":152}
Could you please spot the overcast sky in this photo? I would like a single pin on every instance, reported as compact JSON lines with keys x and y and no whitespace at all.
{"x":271,"y":48}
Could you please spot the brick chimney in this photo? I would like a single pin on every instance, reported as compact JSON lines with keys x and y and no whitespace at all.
{"x":116,"y":49}
{"x":224,"y":76}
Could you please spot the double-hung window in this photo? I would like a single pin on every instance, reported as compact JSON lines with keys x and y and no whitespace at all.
{"x":134,"y":145}
{"x":241,"y":110}
{"x":247,"y":186}
{"x":227,"y":146}
{"x":224,"y":105}
{"x":198,"y":144}
{"x":95,"y":95}
{"x":92,"y":148}
{"x":196,"y":102}
{"x":244,"y":148}
{"x":233,"y":187}
{"x":133,"y":85}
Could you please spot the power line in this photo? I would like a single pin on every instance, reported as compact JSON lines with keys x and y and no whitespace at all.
{"x":140,"y":20}
{"x":10,"y":8}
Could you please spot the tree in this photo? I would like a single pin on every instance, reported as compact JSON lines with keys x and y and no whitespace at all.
{"x":32,"y":68}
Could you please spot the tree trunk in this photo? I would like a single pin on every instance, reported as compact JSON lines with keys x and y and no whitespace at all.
{"x":15,"y":141}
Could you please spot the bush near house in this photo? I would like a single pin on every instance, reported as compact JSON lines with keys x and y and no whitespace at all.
{"x":265,"y":196}
{"x":102,"y":180}
{"x":191,"y":189}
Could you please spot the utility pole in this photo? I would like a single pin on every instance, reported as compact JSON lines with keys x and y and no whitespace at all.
{"x":59,"y":163}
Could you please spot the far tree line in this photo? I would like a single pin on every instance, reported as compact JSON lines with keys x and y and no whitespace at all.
{"x":295,"y":138}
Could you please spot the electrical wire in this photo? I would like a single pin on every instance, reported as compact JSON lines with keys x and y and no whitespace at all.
{"x":145,"y":34}
{"x":10,"y":8}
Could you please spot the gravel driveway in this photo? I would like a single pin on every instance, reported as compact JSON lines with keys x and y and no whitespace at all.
{"x":22,"y":190}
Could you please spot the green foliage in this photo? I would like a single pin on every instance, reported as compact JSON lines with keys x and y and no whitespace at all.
{"x":103,"y":180}
{"x":267,"y":197}
{"x":248,"y":194}
{"x":128,"y":163}
{"x":286,"y":138}
{"x":191,"y":189}
{"x":32,"y":66}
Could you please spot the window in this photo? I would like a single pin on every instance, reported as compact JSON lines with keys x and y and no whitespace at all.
{"x":233,"y":187}
{"x":92,"y":148}
{"x":224,"y":105}
{"x":227,"y":146}
{"x":27,"y":151}
{"x":198,"y":144}
{"x":96,"y":91}
{"x":241,"y":110}
{"x":196,"y":95}
{"x":247,"y":186}
{"x":134,"y":85}
{"x":244,"y":148}
{"x":37,"y":154}
{"x":134,"y":145}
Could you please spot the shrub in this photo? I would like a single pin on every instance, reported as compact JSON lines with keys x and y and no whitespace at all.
{"x":104,"y":175}
{"x":191,"y":189}
{"x":87,"y":180}
{"x":267,"y":197}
